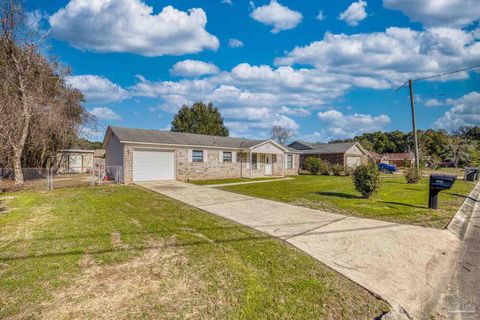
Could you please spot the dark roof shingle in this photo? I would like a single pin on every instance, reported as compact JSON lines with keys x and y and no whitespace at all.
{"x":181,"y":138}
{"x":325,"y":148}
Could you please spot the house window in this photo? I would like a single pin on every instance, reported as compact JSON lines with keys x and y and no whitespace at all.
{"x":254,"y":161}
{"x":227,"y":156}
{"x":289,"y":161}
{"x":197,"y":156}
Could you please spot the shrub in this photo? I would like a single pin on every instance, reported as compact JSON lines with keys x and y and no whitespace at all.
{"x":366,"y":179}
{"x":338,"y":169}
{"x":324,"y":168}
{"x":412,"y":175}
{"x":312,"y":165}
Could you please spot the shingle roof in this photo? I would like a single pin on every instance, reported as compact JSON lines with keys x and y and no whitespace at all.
{"x":399,"y":156}
{"x":326,"y":148}
{"x":181,"y":138}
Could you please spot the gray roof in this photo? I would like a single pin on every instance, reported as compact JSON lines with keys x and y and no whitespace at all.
{"x":181,"y":138}
{"x":326,"y":148}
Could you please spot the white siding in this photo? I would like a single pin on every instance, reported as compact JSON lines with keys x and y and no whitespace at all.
{"x":114,"y":152}
{"x":268,"y":148}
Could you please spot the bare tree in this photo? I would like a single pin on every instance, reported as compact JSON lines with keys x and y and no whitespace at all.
{"x":458,"y":150}
{"x":282,"y":135}
{"x":39,"y":107}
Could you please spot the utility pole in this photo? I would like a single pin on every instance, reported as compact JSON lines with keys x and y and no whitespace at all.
{"x":414,"y":125}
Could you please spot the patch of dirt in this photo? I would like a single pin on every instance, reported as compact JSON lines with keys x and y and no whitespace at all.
{"x":160,"y":283}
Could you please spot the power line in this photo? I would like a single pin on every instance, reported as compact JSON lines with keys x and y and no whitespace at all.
{"x":438,"y":75}
{"x":447,"y":73}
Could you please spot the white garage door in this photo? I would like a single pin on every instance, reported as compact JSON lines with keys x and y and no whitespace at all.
{"x":153,"y":165}
{"x":353,"y":162}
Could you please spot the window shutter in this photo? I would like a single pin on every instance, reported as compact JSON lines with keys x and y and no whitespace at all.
{"x":205,"y":156}
{"x":234,"y":156}
{"x":189,"y":155}
{"x":220,"y":156}
{"x":286,"y":161}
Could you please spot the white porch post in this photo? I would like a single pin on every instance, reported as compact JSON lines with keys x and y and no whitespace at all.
{"x":250,"y":159}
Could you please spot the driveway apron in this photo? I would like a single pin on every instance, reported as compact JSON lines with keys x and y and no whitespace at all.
{"x":405,"y":265}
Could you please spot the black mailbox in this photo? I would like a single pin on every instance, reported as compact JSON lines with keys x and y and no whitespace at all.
{"x":471,"y":174}
{"x":439,"y":182}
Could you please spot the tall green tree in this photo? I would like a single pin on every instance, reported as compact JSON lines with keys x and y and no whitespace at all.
{"x":200,"y":118}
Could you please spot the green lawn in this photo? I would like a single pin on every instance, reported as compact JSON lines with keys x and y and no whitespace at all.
{"x":222,"y":181}
{"x":396,"y":200}
{"x":119,"y":252}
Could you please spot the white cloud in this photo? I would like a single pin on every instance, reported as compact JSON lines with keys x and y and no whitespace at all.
{"x":355,"y":13}
{"x":465,"y":111}
{"x":434,"y":13}
{"x":193,"y":68}
{"x":390,"y":57}
{"x":131,"y":26}
{"x":294,"y":112}
{"x":320,"y":16}
{"x":433,"y":103}
{"x":98,"y":89}
{"x":34,"y":19}
{"x":341,"y":125}
{"x":276,"y":15}
{"x":103,"y":113}
{"x":235,"y":43}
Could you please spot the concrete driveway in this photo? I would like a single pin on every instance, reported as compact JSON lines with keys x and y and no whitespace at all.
{"x":406,"y":265}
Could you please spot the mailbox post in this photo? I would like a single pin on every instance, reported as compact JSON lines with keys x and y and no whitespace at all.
{"x":438,"y":183}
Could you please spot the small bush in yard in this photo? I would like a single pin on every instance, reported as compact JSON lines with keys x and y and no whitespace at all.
{"x":338,"y":169}
{"x":324,"y":168}
{"x":366,"y":179}
{"x":312,"y":165}
{"x":412,"y":175}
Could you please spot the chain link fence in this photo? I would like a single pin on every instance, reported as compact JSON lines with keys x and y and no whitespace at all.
{"x":55,"y":178}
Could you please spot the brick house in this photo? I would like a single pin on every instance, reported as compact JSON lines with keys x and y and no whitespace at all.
{"x":164,"y":155}
{"x":401,"y":159}
{"x":348,"y":154}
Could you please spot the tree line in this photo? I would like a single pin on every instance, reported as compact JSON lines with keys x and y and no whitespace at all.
{"x":40,"y":113}
{"x":460,"y":147}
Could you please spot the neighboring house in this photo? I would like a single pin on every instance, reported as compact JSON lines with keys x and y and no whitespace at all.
{"x":402,"y":159}
{"x":348,"y":154}
{"x":74,"y":161}
{"x":164,"y":155}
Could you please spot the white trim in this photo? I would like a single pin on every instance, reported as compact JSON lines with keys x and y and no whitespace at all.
{"x":196,"y":147}
{"x":278,"y":145}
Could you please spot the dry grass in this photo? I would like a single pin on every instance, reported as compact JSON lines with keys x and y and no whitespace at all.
{"x":125,"y":253}
{"x":126,"y":290}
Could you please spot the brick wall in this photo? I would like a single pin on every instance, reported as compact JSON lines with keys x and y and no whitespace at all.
{"x":213,"y":169}
{"x":127,"y":164}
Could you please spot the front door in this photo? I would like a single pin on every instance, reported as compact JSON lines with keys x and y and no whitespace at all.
{"x":268,"y":164}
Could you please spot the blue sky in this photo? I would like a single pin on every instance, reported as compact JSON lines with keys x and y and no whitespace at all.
{"x":326,"y":69}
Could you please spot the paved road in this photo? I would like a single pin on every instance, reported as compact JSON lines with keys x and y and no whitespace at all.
{"x":406,"y":265}
{"x":462,"y":300}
